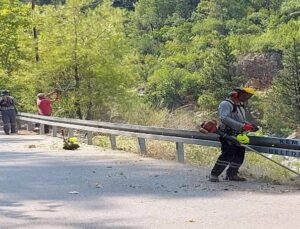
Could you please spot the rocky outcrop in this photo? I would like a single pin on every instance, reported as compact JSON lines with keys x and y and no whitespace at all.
{"x":294,"y":135}
{"x":260,"y":69}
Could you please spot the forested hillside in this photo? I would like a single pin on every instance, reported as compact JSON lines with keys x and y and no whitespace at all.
{"x":152,"y":61}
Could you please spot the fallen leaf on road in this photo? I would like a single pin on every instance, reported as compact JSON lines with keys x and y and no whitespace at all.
{"x":191,"y":221}
{"x":98,"y":185}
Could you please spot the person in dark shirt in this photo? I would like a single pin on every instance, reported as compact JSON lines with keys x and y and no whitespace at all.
{"x":8,"y":112}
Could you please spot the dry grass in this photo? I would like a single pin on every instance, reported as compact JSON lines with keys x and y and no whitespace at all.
{"x":261,"y":168}
{"x":201,"y":155}
{"x":254,"y":165}
{"x":155,"y":149}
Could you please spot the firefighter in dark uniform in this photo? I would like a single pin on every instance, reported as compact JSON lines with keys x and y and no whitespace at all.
{"x":8,"y":112}
{"x":233,"y":119}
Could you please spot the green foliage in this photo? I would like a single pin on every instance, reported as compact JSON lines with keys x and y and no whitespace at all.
{"x":47,"y":2}
{"x":283,"y":110}
{"x":15,"y":48}
{"x":181,"y":52}
{"x":167,"y":87}
{"x":290,"y":9}
{"x":148,"y":45}
{"x":218,"y":76}
{"x":221,"y":9}
{"x":209,"y":25}
{"x":152,"y":14}
{"x":270,"y":5}
{"x":83,"y":53}
{"x":13,"y":18}
{"x":127,"y":4}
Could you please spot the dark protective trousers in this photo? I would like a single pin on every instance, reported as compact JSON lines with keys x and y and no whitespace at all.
{"x":231,"y":156}
{"x":9,"y":121}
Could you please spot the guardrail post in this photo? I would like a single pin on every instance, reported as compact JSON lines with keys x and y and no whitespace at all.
{"x":142,"y":146}
{"x":113,"y":141}
{"x":19,"y":124}
{"x":180,"y":152}
{"x":42,"y":128}
{"x":90,"y":138}
{"x":54,"y":131}
{"x":29,"y":126}
{"x":70,"y":133}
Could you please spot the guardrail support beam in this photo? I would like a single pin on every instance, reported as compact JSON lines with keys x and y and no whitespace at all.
{"x":30,"y":126}
{"x":90,"y":138}
{"x":71,"y":133}
{"x":113,"y":141}
{"x":54,"y":131}
{"x":180,"y":152}
{"x":42,"y":129}
{"x":142,"y":146}
{"x":19,"y":124}
{"x":269,"y":145}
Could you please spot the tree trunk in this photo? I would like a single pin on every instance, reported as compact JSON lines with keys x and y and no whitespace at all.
{"x":35,"y":35}
{"x":89,"y":115}
{"x":76,"y":73}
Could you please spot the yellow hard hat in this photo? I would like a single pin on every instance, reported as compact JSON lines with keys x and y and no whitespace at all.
{"x":248,"y":90}
{"x":243,"y":138}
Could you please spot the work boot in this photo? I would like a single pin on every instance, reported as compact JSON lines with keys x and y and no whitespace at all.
{"x":213,"y":178}
{"x":235,"y":178}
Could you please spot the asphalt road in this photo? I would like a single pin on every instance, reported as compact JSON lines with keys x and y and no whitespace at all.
{"x":42,"y":186}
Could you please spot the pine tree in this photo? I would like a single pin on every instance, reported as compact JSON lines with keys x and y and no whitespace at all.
{"x":287,"y":84}
{"x":218,"y":76}
{"x":282,"y":106}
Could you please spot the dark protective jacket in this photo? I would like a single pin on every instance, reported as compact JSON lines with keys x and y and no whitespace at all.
{"x":7,"y":103}
{"x":232,"y":117}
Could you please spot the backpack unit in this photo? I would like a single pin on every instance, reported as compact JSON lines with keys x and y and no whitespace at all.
{"x":7,"y":101}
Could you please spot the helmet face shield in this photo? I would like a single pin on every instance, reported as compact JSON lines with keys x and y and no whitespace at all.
{"x":244,"y":93}
{"x":244,"y":96}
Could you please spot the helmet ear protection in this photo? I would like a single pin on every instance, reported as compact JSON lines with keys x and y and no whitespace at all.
{"x":243,"y":94}
{"x":234,"y":94}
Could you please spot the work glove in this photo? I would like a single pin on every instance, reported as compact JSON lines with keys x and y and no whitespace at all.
{"x":255,"y":128}
{"x":248,"y":127}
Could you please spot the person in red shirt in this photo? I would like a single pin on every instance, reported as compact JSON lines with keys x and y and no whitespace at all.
{"x":44,"y":104}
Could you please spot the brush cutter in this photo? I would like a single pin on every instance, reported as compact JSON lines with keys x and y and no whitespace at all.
{"x":69,"y":143}
{"x":240,"y":140}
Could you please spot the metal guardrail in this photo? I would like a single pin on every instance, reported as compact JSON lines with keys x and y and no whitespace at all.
{"x":270,"y":145}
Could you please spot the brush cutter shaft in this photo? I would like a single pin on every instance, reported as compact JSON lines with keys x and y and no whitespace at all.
{"x":283,"y":166}
{"x":211,"y":127}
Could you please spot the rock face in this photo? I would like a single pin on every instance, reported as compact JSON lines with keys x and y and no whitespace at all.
{"x":295,"y":135}
{"x":260,"y":69}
